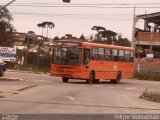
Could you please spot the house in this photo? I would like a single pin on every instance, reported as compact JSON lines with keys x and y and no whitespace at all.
{"x":147,"y":40}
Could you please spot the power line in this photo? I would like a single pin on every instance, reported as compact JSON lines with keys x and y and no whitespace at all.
{"x":1,"y":8}
{"x":79,"y":16}
{"x":86,"y":6}
{"x":72,"y":14}
{"x":101,"y":4}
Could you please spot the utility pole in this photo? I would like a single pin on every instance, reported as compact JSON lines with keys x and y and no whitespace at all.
{"x":133,"y":28}
{"x":133,"y":38}
{"x":151,"y":39}
{"x":7,"y":5}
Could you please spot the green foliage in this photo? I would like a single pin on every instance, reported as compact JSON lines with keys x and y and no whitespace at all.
{"x":6,"y":28}
{"x":106,"y":36}
{"x":46,"y":25}
{"x":109,"y":37}
{"x":147,"y":76}
{"x":82,"y":37}
{"x":56,"y":38}
{"x":31,"y":59}
{"x":40,"y":60}
{"x":45,"y":61}
{"x":10,"y":64}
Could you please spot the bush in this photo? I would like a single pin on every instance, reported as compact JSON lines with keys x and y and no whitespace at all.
{"x":10,"y":64}
{"x":147,"y":76}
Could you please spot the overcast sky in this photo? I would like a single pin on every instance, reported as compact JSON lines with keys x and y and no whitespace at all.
{"x":79,"y":16}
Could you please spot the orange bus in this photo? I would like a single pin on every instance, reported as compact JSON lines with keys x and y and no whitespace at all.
{"x":78,"y":59}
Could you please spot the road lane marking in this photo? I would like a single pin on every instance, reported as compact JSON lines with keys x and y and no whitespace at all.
{"x":131,"y":88}
{"x":70,"y":97}
{"x":111,"y":87}
{"x":97,"y":85}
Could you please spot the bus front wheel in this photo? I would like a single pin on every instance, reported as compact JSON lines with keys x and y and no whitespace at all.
{"x":65,"y":79}
{"x":91,"y":78}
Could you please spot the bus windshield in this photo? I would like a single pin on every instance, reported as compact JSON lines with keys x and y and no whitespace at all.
{"x":67,"y":56}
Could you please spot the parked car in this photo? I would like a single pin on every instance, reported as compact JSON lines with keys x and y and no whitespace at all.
{"x":2,"y":67}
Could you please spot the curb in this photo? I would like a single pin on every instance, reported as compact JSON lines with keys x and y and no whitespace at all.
{"x":10,"y":79}
{"x":9,"y":70}
{"x":149,"y":98}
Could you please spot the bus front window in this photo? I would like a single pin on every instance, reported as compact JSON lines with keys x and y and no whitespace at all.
{"x":68,"y":56}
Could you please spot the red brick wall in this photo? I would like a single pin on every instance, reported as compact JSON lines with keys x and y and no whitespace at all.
{"x":146,"y":36}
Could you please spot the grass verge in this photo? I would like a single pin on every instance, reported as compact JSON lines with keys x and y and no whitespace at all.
{"x":147,"y":76}
{"x":151,"y":96}
{"x":32,"y":69}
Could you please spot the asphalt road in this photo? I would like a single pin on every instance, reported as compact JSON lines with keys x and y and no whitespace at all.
{"x":41,"y":93}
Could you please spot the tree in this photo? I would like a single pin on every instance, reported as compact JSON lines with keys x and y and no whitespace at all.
{"x":98,"y":28}
{"x":48,"y":25}
{"x":40,"y":25}
{"x":69,"y":36}
{"x":103,"y":34}
{"x":123,"y":41}
{"x":82,"y":37}
{"x":6,"y":28}
{"x":67,"y":1}
{"x":109,"y":35}
{"x":56,"y":38}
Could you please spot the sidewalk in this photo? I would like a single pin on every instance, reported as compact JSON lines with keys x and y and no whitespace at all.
{"x":10,"y":79}
{"x":10,"y":70}
{"x":8,"y":90}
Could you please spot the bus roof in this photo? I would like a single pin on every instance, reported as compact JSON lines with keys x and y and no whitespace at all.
{"x":87,"y":43}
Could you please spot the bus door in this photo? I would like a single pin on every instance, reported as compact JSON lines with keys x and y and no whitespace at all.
{"x":86,"y":56}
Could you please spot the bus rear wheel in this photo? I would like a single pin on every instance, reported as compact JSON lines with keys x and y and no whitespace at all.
{"x":96,"y":81}
{"x":91,"y":78}
{"x":118,"y":79}
{"x":65,"y":79}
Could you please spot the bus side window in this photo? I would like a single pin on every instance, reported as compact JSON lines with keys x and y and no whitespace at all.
{"x":115,"y":54}
{"x":127,"y":56}
{"x":94,"y":53}
{"x":100,"y":53}
{"x":121,"y":55}
{"x":108,"y":54}
{"x":86,"y":56}
{"x":132,"y":56}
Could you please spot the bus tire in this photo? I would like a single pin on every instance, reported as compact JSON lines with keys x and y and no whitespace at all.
{"x":91,"y":78}
{"x":65,"y":79}
{"x":1,"y":73}
{"x":96,"y":81}
{"x":118,"y":78}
